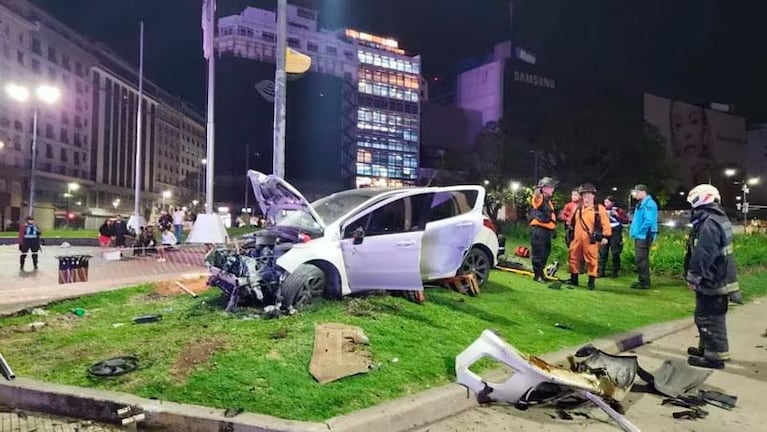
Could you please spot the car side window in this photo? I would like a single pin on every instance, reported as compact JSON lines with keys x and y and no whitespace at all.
{"x":449,"y":204}
{"x":419,"y":211}
{"x":389,"y":219}
{"x":359,"y":223}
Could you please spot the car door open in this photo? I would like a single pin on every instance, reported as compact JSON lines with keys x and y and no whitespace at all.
{"x":380,"y":250}
{"x":453,"y":221}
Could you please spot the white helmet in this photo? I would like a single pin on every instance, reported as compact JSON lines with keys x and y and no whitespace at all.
{"x":702,"y":195}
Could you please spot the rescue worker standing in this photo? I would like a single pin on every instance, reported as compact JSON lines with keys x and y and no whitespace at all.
{"x":566,"y":215}
{"x":29,"y":241}
{"x":614,"y":246}
{"x":591,"y":227}
{"x":644,"y":229}
{"x":710,"y":272}
{"x":543,"y":225}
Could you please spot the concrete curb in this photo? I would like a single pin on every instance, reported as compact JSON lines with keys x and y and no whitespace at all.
{"x":400,"y":415}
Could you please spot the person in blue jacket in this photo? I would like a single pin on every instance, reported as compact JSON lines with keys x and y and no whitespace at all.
{"x":644,"y":229}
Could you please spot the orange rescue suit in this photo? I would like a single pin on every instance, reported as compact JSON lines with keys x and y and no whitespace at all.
{"x":581,"y":248}
{"x":543,"y":214}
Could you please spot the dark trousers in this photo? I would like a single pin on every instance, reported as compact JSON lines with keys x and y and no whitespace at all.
{"x":710,"y":318}
{"x":642,"y":256}
{"x":29,"y":245}
{"x":613,"y":248}
{"x":540,"y":248}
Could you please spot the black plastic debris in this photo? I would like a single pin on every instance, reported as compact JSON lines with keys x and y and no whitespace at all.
{"x":691,"y":414}
{"x":145,"y":319}
{"x":718,"y":399}
{"x":563,"y":326}
{"x":564,"y":415}
{"x":114,"y":367}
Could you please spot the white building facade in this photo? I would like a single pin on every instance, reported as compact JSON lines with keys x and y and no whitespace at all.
{"x":383,"y":95}
{"x":88,"y":137}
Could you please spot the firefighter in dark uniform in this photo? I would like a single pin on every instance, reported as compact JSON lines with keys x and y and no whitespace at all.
{"x":29,"y":241}
{"x":543,"y":225}
{"x":710,"y":272}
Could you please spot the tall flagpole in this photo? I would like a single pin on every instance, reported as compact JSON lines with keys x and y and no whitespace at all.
{"x":280,"y":79}
{"x":139,"y":129}
{"x":211,"y":55}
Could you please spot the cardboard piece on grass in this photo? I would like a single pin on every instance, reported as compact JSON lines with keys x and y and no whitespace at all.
{"x":208,"y":229}
{"x":338,"y":352}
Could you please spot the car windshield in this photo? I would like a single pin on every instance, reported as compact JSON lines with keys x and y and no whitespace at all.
{"x":329,"y":208}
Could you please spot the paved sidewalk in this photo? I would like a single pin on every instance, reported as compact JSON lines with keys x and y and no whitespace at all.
{"x":19,"y":290}
{"x":744,"y":377}
{"x":33,"y":422}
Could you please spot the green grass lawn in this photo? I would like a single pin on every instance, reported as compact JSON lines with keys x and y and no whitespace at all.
{"x":253,"y":370}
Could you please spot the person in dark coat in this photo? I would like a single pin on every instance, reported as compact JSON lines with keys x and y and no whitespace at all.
{"x":120,"y":230}
{"x":29,"y":241}
{"x":710,"y":272}
{"x":614,"y":247}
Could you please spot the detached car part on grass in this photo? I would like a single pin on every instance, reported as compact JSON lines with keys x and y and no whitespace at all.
{"x":534,"y":381}
{"x":352,"y":242}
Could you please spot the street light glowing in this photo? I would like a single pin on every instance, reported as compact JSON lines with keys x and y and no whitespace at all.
{"x":487,"y":182}
{"x":753,"y":181}
{"x":167,"y":194}
{"x":615,"y":189}
{"x":730,"y":172}
{"x":203,"y":161}
{"x":515,"y":186}
{"x":17,"y":92}
{"x":72,"y":187}
{"x":195,"y":202}
{"x":48,"y":94}
{"x":2,"y":144}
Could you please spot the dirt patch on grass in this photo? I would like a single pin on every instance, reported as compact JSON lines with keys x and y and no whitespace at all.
{"x":169,"y":288}
{"x":193,"y":355}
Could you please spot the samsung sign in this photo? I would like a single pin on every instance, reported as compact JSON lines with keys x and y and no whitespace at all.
{"x":535,"y":80}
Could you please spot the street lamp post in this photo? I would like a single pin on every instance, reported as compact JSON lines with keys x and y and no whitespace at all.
{"x":44,"y":93}
{"x":165,"y":195}
{"x":744,"y":188}
{"x":71,"y":187}
{"x":515,"y":185}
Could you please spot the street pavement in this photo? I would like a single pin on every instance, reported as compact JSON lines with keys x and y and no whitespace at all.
{"x":20,"y":421}
{"x":21,"y":289}
{"x":744,"y":377}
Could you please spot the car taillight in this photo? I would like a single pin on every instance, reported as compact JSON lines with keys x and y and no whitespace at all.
{"x":304,"y":238}
{"x":489,"y":223}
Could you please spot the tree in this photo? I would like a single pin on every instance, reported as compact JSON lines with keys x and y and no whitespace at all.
{"x":603,"y":144}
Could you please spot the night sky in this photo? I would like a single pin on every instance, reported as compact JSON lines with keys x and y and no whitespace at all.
{"x":696,"y":50}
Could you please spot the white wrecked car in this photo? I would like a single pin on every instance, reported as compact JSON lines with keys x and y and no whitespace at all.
{"x":355,"y":241}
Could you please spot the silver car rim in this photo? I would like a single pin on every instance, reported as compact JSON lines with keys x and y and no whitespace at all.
{"x":314,"y":287}
{"x":476,"y":262}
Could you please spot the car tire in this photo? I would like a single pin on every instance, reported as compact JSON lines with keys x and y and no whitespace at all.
{"x":478,"y":262}
{"x":304,"y":286}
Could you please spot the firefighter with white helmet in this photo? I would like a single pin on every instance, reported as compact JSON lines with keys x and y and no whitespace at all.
{"x":710,"y":272}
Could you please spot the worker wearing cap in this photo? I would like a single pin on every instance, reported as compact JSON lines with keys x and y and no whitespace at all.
{"x":591,"y":229}
{"x":29,"y":241}
{"x":543,"y":225}
{"x":644,"y":229}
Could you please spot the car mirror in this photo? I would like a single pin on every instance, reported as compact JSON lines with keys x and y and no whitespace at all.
{"x":359,"y":235}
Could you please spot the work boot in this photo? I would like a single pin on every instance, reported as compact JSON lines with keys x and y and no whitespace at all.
{"x":699,"y":352}
{"x":705,"y":362}
{"x":573,"y":279}
{"x":639,"y":285}
{"x":592,"y":283}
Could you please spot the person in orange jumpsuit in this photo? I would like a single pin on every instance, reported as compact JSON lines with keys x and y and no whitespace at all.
{"x":591,"y":228}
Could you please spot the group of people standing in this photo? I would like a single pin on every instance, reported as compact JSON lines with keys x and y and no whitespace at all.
{"x":594,"y":233}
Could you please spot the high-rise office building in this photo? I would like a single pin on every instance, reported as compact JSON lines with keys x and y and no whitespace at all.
{"x":380,"y":91}
{"x":87,"y":139}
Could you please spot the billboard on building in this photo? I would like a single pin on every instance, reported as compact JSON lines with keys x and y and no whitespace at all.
{"x":700,"y":141}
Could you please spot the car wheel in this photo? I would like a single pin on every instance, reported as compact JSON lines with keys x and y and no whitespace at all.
{"x":477,"y":262}
{"x":303,"y":286}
